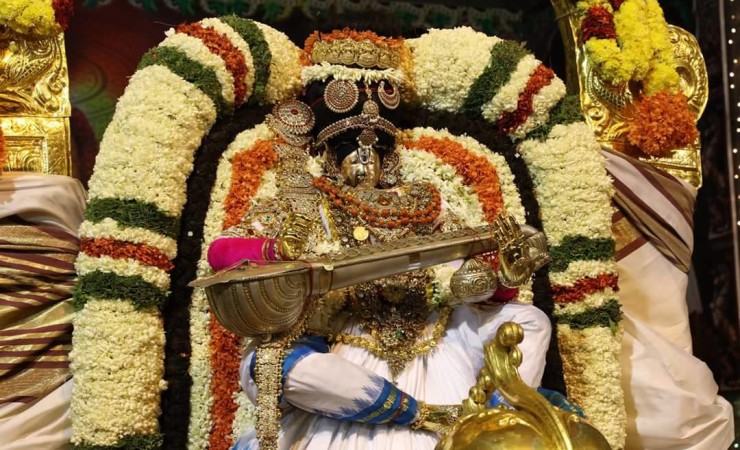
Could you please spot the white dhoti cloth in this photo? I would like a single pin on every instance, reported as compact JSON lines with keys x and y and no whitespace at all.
{"x":343,"y":381}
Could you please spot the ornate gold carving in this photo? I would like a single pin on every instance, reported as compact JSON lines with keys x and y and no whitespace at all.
{"x":530,"y":422}
{"x":474,"y":281}
{"x":34,"y":104}
{"x":37,"y":144}
{"x":348,"y":51}
{"x":609,"y":109}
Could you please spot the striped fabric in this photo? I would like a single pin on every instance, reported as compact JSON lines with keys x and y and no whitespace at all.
{"x":36,"y":280}
{"x":653,"y":207}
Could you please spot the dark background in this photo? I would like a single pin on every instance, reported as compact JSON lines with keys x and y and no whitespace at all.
{"x":106,"y":39}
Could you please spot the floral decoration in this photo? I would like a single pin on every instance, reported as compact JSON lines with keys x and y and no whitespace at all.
{"x":522,"y":98}
{"x":628,"y":41}
{"x":136,"y":196}
{"x":36,"y":18}
{"x":171,"y":103}
{"x":662,"y":122}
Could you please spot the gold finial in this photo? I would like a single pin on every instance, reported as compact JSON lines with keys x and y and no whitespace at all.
{"x":530,"y":422}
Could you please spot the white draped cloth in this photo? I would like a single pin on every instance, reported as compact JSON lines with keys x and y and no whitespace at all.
{"x":57,"y":201}
{"x":670,"y":395}
{"x":336,"y":382}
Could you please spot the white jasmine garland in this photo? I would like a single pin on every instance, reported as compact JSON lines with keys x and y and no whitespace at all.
{"x":323,"y":71}
{"x":582,"y":269}
{"x":422,"y":166}
{"x":595,"y":369}
{"x":116,"y":396}
{"x":245,"y":417}
{"x":542,"y":102}
{"x":147,"y":151}
{"x":125,"y":267}
{"x":110,"y":229}
{"x":285,"y":65}
{"x":446,"y":63}
{"x":507,"y":97}
{"x":200,"y":317}
{"x":240,"y":44}
{"x":571,"y":183}
{"x":197,"y":50}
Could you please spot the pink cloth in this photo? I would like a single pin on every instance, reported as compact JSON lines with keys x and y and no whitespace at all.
{"x":228,"y":251}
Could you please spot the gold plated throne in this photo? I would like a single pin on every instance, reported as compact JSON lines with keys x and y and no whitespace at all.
{"x":34,"y":104}
{"x":609,"y":109}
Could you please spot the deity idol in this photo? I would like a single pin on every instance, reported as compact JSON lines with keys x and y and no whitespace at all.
{"x":385,"y":363}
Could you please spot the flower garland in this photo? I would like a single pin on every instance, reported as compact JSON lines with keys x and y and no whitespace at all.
{"x":629,"y":41}
{"x":132,"y":220}
{"x":573,"y":191}
{"x":36,"y":18}
{"x":446,"y":63}
{"x":324,"y":70}
{"x":201,"y":419}
{"x":515,"y":92}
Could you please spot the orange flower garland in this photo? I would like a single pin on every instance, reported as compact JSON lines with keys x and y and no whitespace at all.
{"x":225,"y":351}
{"x":584,"y":287}
{"x":663,"y":123}
{"x":247,"y":170}
{"x":476,"y":171}
{"x":145,"y":254}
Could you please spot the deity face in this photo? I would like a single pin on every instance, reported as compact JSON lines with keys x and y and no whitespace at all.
{"x":354,"y":126}
{"x":361,"y":170}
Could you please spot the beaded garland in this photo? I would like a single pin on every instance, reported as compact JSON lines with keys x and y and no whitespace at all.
{"x":421,"y":206}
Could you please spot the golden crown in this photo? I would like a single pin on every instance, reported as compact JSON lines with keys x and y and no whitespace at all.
{"x":348,"y":47}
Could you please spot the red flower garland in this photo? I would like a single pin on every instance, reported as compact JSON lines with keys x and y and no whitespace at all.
{"x":598,"y":23}
{"x":63,"y":11}
{"x":222,"y":47}
{"x":510,"y":121}
{"x":145,"y":254}
{"x":584,"y":287}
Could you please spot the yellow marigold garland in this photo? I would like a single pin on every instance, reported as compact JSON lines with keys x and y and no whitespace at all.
{"x":629,"y":41}
{"x":36,"y":18}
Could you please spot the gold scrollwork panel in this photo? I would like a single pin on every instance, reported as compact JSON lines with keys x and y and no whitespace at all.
{"x":37,"y":144}
{"x":34,"y":104}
